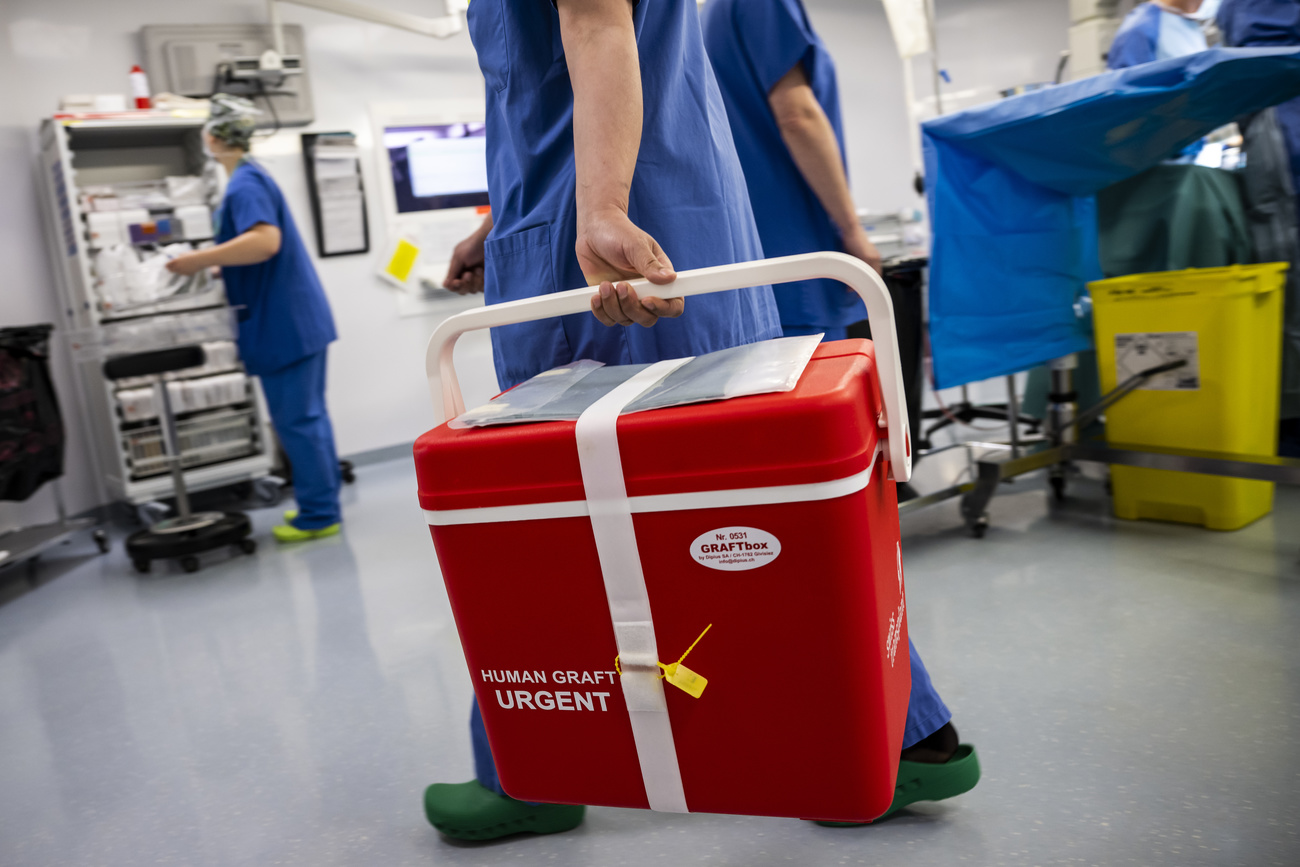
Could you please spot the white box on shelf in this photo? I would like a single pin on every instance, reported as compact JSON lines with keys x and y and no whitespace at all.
{"x":137,"y":404}
{"x":186,"y":190}
{"x":106,"y":229}
{"x":195,"y":222}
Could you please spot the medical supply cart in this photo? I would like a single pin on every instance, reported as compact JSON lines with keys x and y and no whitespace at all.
{"x":123,"y":187}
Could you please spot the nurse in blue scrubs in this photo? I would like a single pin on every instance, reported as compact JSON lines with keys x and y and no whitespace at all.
{"x":1160,"y":30}
{"x":285,"y":321}
{"x":609,"y":157}
{"x":779,"y":85}
{"x":782,"y":97}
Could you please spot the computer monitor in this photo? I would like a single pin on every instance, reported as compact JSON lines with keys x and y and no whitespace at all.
{"x":437,"y":166}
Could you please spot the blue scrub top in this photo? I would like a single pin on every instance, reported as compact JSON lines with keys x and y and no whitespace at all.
{"x":284,"y":315}
{"x":688,"y":191}
{"x":1149,"y":33}
{"x":753,"y":44}
{"x":1260,"y":23}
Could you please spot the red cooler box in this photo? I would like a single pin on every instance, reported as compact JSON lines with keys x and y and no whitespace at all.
{"x":772,"y":518}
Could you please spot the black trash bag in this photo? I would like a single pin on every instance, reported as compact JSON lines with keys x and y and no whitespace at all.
{"x":31,"y":427}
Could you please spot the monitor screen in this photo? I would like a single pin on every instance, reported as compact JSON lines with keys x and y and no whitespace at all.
{"x":438,"y":166}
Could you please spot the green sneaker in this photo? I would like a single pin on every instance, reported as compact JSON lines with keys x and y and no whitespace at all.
{"x":922,"y":781}
{"x":469,"y":811}
{"x":290,"y":533}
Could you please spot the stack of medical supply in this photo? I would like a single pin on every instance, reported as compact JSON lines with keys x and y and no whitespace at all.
{"x":188,"y":395}
{"x":174,"y":208}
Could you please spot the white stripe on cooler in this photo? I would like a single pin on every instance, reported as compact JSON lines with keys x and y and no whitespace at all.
{"x":664,"y":502}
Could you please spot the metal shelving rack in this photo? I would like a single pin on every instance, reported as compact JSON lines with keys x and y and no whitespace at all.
{"x":222,"y":445}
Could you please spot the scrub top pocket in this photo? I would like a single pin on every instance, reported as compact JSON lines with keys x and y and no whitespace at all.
{"x":519,"y":266}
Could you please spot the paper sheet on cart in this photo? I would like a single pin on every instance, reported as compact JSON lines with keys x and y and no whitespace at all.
{"x":564,"y":393}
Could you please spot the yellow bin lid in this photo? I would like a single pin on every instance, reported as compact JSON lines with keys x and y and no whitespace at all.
{"x":1160,"y":285}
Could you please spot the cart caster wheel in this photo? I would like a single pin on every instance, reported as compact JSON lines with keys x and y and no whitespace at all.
{"x":347,"y":472}
{"x":190,"y":564}
{"x":248,"y":546}
{"x":141,"y":566}
{"x":1058,"y":488}
{"x":101,"y":541}
{"x":977,"y":527}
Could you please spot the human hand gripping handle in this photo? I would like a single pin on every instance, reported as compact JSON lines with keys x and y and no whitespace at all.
{"x":445,"y":389}
{"x":611,"y":248}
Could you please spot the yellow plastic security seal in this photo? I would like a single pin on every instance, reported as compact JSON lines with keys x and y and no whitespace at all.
{"x":688,"y":681}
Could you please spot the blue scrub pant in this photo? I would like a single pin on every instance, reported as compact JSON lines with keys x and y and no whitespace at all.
{"x":295,"y":396}
{"x":926,"y":714}
{"x":840,"y":333}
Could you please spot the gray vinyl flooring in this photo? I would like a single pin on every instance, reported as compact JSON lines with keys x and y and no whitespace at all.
{"x":1132,"y":690}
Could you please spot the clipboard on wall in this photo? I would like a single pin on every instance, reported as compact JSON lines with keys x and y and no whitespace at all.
{"x":337,"y":192}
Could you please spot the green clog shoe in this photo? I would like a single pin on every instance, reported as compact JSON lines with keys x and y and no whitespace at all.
{"x":469,"y":811}
{"x":290,"y":533}
{"x":922,"y":781}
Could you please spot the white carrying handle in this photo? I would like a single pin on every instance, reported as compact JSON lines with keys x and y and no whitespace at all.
{"x":445,"y":388}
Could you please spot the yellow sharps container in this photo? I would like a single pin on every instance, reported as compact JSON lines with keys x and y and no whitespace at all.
{"x":1227,"y":324}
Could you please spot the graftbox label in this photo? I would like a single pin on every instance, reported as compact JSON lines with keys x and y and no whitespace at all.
{"x":735,"y":549}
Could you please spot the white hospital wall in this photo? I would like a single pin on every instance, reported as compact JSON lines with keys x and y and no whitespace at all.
{"x":377,"y":391}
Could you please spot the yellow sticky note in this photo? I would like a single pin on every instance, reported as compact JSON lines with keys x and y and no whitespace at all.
{"x":686,"y":680}
{"x":403,"y":260}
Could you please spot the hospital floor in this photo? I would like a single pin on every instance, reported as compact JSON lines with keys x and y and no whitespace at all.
{"x":1133,"y":689}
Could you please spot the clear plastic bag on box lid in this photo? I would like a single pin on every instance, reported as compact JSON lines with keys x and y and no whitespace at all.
{"x":564,"y":393}
{"x":756,"y":368}
{"x":519,"y":403}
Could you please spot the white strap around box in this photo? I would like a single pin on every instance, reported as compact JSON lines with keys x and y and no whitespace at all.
{"x":629,"y":603}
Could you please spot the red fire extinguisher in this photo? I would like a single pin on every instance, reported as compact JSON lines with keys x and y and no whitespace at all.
{"x":140,"y":87}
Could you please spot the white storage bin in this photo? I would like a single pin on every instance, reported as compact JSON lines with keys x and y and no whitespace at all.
{"x":137,"y":404}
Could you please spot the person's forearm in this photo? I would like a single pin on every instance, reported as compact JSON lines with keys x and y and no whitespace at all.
{"x":601,"y":52}
{"x":251,"y":248}
{"x":809,"y":137}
